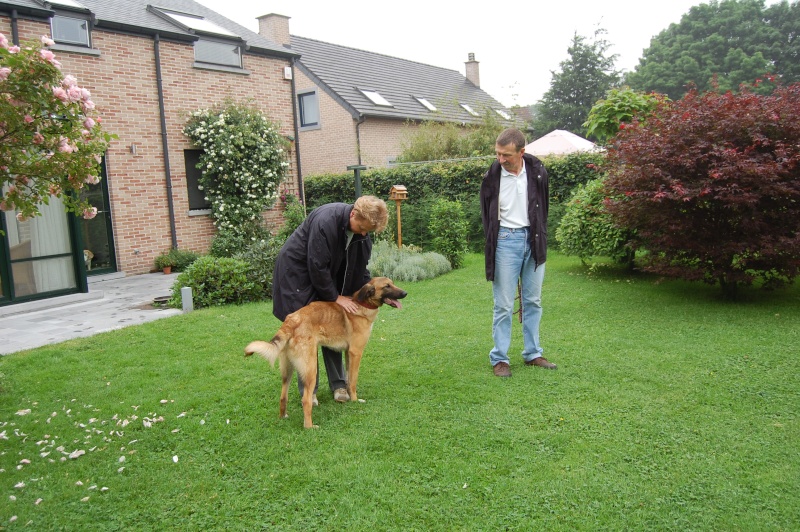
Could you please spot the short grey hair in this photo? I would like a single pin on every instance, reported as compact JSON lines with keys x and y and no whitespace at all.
{"x":511,"y":136}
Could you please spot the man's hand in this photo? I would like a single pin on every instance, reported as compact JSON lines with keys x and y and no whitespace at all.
{"x":347,"y":304}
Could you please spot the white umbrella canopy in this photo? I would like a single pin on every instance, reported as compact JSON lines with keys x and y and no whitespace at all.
{"x":559,"y":142}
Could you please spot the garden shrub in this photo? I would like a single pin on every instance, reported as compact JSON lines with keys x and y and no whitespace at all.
{"x":261,"y":256}
{"x":293,"y":215}
{"x":453,"y":180}
{"x":229,"y":243}
{"x":587,"y":230}
{"x":449,"y":229}
{"x":217,"y":281}
{"x":405,"y":265}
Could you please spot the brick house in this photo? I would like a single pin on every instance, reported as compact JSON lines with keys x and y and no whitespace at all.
{"x":147,"y":66}
{"x":354,"y":106}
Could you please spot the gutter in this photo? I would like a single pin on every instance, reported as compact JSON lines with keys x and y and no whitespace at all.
{"x":297,"y":138}
{"x":164,"y":140}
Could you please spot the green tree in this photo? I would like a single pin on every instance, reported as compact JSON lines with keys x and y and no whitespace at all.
{"x":710,"y":185}
{"x":620,"y":106}
{"x":51,"y":141}
{"x":722,"y":44}
{"x":584,"y":78}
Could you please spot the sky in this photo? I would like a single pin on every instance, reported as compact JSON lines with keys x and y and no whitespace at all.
{"x":518,"y":45}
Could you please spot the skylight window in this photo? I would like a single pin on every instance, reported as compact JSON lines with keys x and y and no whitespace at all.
{"x":503,"y":114}
{"x":376,"y":98}
{"x":469,"y":109}
{"x":193,"y":22}
{"x":428,"y":105}
{"x":67,"y":3}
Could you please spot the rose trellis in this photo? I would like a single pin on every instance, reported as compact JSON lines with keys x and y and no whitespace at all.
{"x":243,"y":163}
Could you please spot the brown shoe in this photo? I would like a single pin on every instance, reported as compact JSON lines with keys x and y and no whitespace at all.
{"x":501,"y":369}
{"x":541,"y":362}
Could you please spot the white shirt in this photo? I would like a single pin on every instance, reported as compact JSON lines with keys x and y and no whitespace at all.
{"x":513,"y":201}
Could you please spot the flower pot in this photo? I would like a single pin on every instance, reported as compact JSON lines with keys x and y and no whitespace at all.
{"x":167,"y":270}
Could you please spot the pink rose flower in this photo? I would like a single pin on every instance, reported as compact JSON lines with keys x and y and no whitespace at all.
{"x":69,"y":81}
{"x":14,"y":49}
{"x":60,"y":93}
{"x":88,"y":123}
{"x":4,"y":72}
{"x":38,"y":138}
{"x":90,"y":213}
{"x":47,"y":55}
{"x":47,"y":41}
{"x":28,"y":119}
{"x":92,"y":179}
{"x":3,"y":41}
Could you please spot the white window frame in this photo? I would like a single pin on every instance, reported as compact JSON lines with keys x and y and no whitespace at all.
{"x":376,"y":98}
{"x":426,"y":104}
{"x":468,"y":109}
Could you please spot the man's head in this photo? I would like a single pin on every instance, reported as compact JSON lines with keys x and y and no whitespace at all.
{"x":509,"y":147}
{"x":369,"y":214}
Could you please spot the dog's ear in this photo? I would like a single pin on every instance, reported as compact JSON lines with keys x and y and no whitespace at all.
{"x":366,"y":292}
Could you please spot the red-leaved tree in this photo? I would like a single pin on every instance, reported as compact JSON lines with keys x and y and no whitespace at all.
{"x":711,"y":186}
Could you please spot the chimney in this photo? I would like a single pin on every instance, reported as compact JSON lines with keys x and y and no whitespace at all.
{"x":275,"y":28}
{"x":473,"y":73}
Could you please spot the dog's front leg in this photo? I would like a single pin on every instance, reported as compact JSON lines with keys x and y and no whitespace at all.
{"x":353,"y":363}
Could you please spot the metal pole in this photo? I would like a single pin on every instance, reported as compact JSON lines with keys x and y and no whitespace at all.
{"x":356,"y":168}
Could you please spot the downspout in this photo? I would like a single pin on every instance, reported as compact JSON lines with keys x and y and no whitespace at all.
{"x":361,"y":120}
{"x":14,"y":27}
{"x":297,"y":139}
{"x":164,"y":141}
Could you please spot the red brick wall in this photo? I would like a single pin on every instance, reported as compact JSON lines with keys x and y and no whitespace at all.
{"x":122,"y":81}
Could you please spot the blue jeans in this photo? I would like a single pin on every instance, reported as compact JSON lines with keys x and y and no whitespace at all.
{"x":513,"y":262}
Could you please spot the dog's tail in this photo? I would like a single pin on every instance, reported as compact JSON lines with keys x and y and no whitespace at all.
{"x":270,"y":350}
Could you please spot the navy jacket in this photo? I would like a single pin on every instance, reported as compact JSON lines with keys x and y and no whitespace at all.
{"x":313,"y":264}
{"x":538,"y":205}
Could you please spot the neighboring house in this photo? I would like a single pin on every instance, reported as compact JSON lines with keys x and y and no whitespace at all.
{"x":148,"y":64}
{"x":354,"y":106}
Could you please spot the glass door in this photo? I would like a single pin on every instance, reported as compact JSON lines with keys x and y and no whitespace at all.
{"x":97,"y":234}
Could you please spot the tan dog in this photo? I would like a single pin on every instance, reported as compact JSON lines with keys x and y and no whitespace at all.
{"x":328,"y":324}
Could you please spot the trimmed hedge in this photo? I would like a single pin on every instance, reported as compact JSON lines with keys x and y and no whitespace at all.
{"x":457,"y":180}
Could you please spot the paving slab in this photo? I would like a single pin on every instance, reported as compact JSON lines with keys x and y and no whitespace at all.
{"x":113,"y":301}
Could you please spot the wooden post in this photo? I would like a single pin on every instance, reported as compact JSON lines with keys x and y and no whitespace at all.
{"x":398,"y":193}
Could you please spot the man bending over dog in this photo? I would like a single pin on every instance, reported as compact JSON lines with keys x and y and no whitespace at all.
{"x":325,"y":257}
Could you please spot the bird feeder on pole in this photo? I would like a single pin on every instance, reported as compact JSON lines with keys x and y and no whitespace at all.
{"x":398,"y":193}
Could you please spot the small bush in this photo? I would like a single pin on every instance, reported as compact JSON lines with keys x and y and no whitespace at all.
{"x":229,"y":243}
{"x":261,"y":257}
{"x":404,"y":265}
{"x":217,"y":281}
{"x":448,"y":226}
{"x":177,"y":259}
{"x":293,"y":214}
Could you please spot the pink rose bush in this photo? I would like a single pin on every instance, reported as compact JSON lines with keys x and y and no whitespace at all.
{"x":51,"y":140}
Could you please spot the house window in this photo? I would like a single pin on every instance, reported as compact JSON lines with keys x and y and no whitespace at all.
{"x":197,"y":196}
{"x":218,"y":53}
{"x":503,"y":114}
{"x":469,"y":109}
{"x":308,"y":104}
{"x":70,"y":30}
{"x":376,"y":98}
{"x":425,"y":103}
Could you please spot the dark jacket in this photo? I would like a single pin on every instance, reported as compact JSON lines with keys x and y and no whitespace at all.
{"x":313,"y":264}
{"x":538,"y":205}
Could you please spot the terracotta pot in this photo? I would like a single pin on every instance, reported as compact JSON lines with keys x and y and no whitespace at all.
{"x":167,"y":269}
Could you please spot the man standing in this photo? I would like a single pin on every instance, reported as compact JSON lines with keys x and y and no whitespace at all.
{"x":514,"y":205}
{"x":325,"y":259}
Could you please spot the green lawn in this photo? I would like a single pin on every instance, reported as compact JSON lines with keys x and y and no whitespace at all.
{"x":671,"y":409}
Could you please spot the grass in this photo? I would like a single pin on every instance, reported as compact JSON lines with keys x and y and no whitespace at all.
{"x":671,"y":409}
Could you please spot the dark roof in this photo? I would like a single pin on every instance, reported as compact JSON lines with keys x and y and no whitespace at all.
{"x":342,"y":71}
{"x":133,"y":16}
